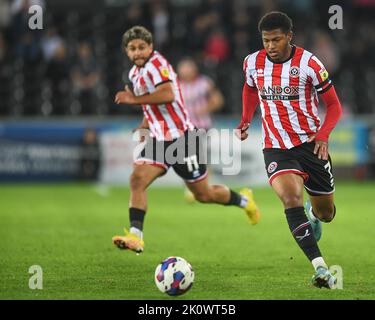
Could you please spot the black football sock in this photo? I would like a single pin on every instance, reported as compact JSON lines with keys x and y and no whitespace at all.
{"x":235,"y":199}
{"x":302,"y":232}
{"x":136,"y":217}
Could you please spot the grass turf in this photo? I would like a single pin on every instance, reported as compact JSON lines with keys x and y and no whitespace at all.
{"x":67,"y":230}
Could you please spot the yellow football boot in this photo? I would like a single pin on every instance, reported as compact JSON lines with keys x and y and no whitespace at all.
{"x":251,"y":208}
{"x":129,"y":242}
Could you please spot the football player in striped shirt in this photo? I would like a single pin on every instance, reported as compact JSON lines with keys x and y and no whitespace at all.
{"x":286,"y":80}
{"x":201,"y":98}
{"x":157,"y":90}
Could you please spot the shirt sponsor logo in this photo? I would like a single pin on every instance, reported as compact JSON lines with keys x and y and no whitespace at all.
{"x":279,"y":93}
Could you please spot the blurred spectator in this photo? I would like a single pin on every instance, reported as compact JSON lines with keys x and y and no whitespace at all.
{"x":5,"y":76}
{"x":90,"y":155}
{"x":5,"y":14}
{"x":217,"y":47}
{"x":160,"y":24}
{"x":324,"y":48}
{"x":50,"y":43}
{"x":22,"y":6}
{"x":86,"y":79}
{"x":27,"y":40}
{"x":58,"y":75}
{"x":240,"y":45}
{"x":217,"y":33}
{"x":134,"y":15}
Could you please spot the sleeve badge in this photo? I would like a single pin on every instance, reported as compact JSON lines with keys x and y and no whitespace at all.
{"x":164,"y":72}
{"x":323,"y":74}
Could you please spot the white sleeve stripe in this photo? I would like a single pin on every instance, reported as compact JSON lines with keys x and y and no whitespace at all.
{"x":150,"y":86}
{"x":155,"y":73}
{"x":318,"y":62}
{"x":251,"y":60}
{"x":131,"y":73}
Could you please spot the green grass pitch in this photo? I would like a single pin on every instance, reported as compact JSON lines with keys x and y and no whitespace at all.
{"x":67,"y":230}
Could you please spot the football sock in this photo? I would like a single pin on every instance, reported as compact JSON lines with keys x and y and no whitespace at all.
{"x":319,"y":262}
{"x":137,"y":232}
{"x":236,"y":200}
{"x":302,"y":232}
{"x":244,"y":201}
{"x":136,"y":217}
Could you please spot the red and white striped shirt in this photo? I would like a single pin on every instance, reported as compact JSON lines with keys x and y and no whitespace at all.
{"x":166,"y":121}
{"x":288,"y":95}
{"x":196,"y":94}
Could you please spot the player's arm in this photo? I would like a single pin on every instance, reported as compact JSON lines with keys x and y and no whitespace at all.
{"x":250,"y":101}
{"x":323,"y":85}
{"x":333,"y":114}
{"x":163,"y":94}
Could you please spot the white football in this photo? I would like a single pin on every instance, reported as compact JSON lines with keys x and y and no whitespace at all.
{"x":174,"y":276}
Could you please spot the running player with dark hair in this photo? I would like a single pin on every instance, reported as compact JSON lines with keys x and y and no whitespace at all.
{"x":157,"y":90}
{"x":286,"y":80}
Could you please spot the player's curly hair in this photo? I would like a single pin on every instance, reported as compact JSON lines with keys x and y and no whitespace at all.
{"x":136,"y":32}
{"x":275,"y":20}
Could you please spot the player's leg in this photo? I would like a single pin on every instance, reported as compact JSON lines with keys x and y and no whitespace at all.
{"x":288,"y":176}
{"x":206,"y":193}
{"x":289,"y":188}
{"x":143,"y":175}
{"x":320,"y":208}
{"x":323,"y":207}
{"x":193,"y":169}
{"x":188,"y":195}
{"x":221,"y":194}
{"x":320,"y":187}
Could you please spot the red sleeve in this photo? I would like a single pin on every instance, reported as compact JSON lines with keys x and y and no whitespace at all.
{"x":250,"y":100}
{"x":333,"y":114}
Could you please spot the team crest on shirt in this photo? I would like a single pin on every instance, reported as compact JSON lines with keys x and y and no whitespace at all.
{"x":272,"y":167}
{"x":294,"y":72}
{"x":164,"y":72}
{"x":323,"y":74}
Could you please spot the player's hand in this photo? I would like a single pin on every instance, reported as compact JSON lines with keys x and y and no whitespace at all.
{"x":240,"y":131}
{"x":125,"y":97}
{"x":321,"y":148}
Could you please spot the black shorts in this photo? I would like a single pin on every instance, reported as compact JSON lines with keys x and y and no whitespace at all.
{"x":301,"y":160}
{"x":186,"y":155}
